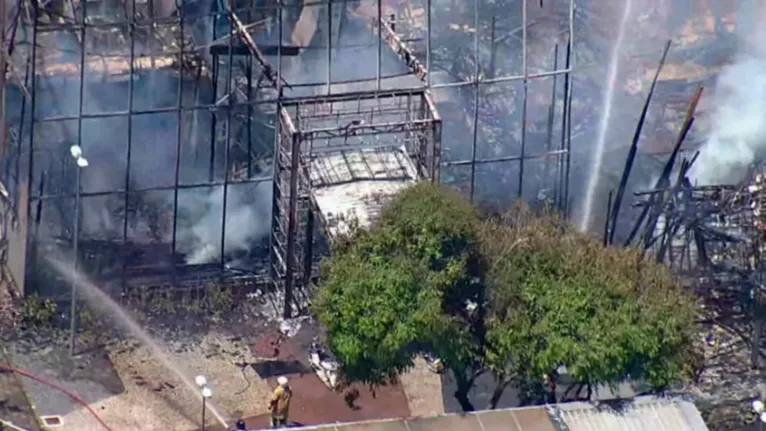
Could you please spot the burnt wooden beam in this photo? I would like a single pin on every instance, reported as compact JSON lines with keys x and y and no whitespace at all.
{"x":634,"y":147}
{"x":244,"y":50}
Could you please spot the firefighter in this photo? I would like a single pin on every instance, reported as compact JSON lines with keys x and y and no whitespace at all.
{"x":549,"y":388}
{"x":280,"y":403}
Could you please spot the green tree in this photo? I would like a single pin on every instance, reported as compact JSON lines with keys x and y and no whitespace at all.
{"x":558,"y":297}
{"x":518,"y":295}
{"x":404,"y":286}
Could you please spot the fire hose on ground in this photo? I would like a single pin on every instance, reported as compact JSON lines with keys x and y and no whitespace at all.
{"x":48,"y":383}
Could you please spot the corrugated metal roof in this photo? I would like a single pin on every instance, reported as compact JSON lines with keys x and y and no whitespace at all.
{"x":519,"y":419}
{"x":643,"y":413}
{"x":639,"y":414}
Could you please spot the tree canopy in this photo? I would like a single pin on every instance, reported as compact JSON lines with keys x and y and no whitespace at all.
{"x":519,"y":295}
{"x":558,"y":297}
{"x":400,"y":287}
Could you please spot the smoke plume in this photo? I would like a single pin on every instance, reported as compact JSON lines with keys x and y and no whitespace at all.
{"x":247,"y":220}
{"x":153,"y":142}
{"x":737,"y":138}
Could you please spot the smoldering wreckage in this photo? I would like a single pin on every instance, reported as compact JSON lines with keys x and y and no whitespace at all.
{"x":198,"y":175}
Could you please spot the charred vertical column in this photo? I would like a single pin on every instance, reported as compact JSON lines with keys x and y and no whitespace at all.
{"x":227,"y":144}
{"x":32,"y":239}
{"x":284,"y":218}
{"x":428,"y":43}
{"x":179,"y":129}
{"x":20,"y":141}
{"x":492,"y":49}
{"x":525,"y":83}
{"x":755,"y":347}
{"x":126,"y":202}
{"x":568,"y":102}
{"x":292,"y":224}
{"x":564,"y":160}
{"x":551,"y":119}
{"x":308,"y":256}
{"x":477,"y":89}
{"x":249,"y":71}
{"x":436,"y":154}
{"x":214,"y":113}
{"x":78,"y":184}
{"x":329,"y":45}
{"x":284,"y":195}
{"x":605,"y":238}
{"x":3,"y":68}
{"x":379,"y":24}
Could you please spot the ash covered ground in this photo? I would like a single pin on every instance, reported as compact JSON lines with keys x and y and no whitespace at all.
{"x":240,"y":350}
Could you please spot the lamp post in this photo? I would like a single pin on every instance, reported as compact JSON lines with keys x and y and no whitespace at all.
{"x":81,"y":162}
{"x":760,"y":409}
{"x":201,"y":382}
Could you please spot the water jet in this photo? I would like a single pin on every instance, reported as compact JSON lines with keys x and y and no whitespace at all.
{"x":101,"y":301}
{"x":603,"y":127}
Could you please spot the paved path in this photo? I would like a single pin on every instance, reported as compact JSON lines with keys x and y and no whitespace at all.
{"x":14,"y":406}
{"x":424,"y":390}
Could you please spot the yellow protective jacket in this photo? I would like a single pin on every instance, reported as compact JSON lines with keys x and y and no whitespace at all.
{"x":280,"y":401}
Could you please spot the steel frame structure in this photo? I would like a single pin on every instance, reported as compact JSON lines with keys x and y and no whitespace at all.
{"x":242,"y":84}
{"x":186,"y":61}
{"x":312,"y":127}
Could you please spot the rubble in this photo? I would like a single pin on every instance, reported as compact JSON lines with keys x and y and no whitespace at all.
{"x":713,"y":238}
{"x":324,"y":365}
{"x":290,"y":327}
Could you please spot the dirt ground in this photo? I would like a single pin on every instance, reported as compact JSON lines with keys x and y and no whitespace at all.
{"x":129,"y":388}
{"x":125,"y":382}
{"x":15,"y":408}
{"x":313,"y":404}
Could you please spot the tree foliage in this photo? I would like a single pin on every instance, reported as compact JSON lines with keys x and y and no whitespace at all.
{"x":558,"y":297}
{"x":398,"y":288}
{"x":518,"y":295}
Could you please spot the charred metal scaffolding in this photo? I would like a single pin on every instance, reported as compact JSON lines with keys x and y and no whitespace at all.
{"x":713,"y":236}
{"x":224,"y":138}
{"x":175,"y":133}
{"x":339,"y":158}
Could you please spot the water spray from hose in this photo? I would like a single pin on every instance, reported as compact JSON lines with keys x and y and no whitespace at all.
{"x":103,"y":302}
{"x":603,"y":127}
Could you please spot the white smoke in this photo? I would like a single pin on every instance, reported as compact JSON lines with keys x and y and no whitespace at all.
{"x":247,"y":220}
{"x":154,"y":139}
{"x":737,"y":138}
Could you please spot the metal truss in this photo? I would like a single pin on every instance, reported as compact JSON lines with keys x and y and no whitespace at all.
{"x":294,"y":210}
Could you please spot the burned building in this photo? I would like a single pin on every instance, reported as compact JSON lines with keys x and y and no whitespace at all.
{"x":189,"y":114}
{"x":182,"y":109}
{"x":227,"y":142}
